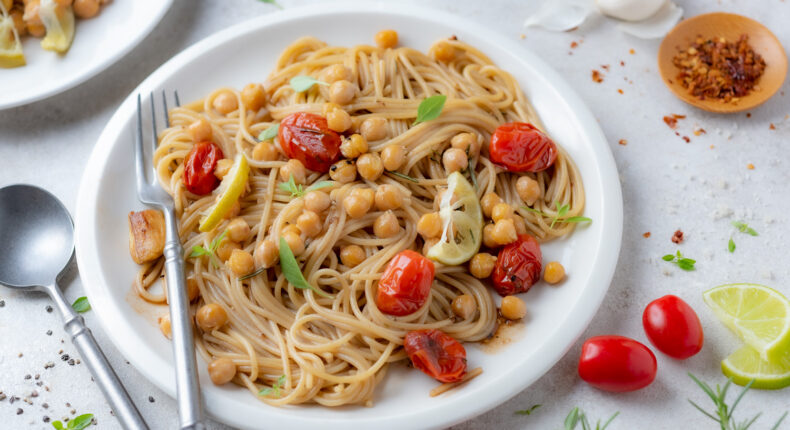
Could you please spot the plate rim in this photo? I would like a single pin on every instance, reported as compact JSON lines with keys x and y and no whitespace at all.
{"x":443,"y":415}
{"x":97,"y":68}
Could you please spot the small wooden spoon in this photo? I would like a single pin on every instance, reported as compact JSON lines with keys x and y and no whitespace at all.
{"x":731,"y":27}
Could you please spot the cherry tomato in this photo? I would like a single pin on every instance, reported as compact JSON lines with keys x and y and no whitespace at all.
{"x":437,"y":354}
{"x":199,"y":168}
{"x":673,"y":327}
{"x":307,"y":138}
{"x":406,"y":284}
{"x":616,"y":363}
{"x":517,"y":266}
{"x":520,"y":147}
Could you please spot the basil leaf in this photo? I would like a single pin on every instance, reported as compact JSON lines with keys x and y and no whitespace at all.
{"x":81,"y":305}
{"x":292,"y":271}
{"x":686,"y":264}
{"x":58,"y":425}
{"x":301,"y":84}
{"x":269,"y":133}
{"x":430,"y":108}
{"x":577,"y":219}
{"x":319,"y":185}
{"x":731,"y":246}
{"x":81,"y":422}
{"x":668,"y":257}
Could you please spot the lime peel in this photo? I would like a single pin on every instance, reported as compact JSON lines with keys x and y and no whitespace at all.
{"x":745,"y":365}
{"x":461,"y":229}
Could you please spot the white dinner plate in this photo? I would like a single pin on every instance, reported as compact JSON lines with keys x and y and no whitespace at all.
{"x":245,"y":53}
{"x":98,"y":43}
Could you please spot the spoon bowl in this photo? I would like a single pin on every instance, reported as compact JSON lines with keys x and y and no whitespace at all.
{"x":731,"y":27}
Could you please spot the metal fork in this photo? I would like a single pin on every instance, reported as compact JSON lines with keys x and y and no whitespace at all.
{"x":187,"y":385}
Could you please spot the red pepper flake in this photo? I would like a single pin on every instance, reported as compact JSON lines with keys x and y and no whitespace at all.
{"x":619,"y":90}
{"x":678,"y":116}
{"x":631,"y":51}
{"x":623,"y":142}
{"x":677,"y":237}
{"x":699,"y":131}
{"x":574,"y":44}
{"x":772,"y":126}
{"x":622,"y":63}
{"x":671,"y":121}
{"x":605,"y":67}
{"x":646,"y":234}
{"x":597,"y":77}
{"x":677,"y":134}
{"x":750,"y":166}
{"x":748,"y":114}
{"x":687,"y":139}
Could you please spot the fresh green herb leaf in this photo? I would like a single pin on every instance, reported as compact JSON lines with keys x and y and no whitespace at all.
{"x":528,"y":411}
{"x":81,"y":305}
{"x":577,"y":219}
{"x":577,"y":416}
{"x":58,"y":425}
{"x":668,"y":257}
{"x":402,"y":176}
{"x":291,"y":270}
{"x":731,"y":246}
{"x":80,"y":422}
{"x":297,"y":190}
{"x":253,"y":274}
{"x":274,"y":390}
{"x":562,"y":210}
{"x":269,"y":133}
{"x":572,"y":419}
{"x":430,"y":108}
{"x":272,"y":2}
{"x":744,"y":228}
{"x":301,"y":84}
{"x":199,"y":250}
{"x":723,"y":412}
{"x":686,"y":264}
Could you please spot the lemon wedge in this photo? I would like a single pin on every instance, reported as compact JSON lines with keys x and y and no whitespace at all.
{"x":10,"y":47}
{"x":228,"y":193}
{"x":59,"y":22}
{"x":462,"y":220}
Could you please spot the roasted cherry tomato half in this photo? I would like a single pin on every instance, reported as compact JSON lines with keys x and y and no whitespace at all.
{"x":616,"y":363}
{"x":199,"y":168}
{"x":437,"y":354}
{"x":307,"y":138}
{"x":673,"y":327}
{"x":406,"y":284}
{"x":520,"y":147}
{"x":517,"y":266}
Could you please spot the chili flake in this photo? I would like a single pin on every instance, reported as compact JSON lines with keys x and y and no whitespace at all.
{"x":623,"y":142}
{"x":646,"y":234}
{"x":597,"y":77}
{"x":677,"y":237}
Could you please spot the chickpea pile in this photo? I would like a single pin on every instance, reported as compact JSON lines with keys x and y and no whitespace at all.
{"x":27,"y":19}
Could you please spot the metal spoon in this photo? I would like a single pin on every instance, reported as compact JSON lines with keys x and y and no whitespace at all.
{"x":38,"y":234}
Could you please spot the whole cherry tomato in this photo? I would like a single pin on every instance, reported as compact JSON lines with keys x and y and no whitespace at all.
{"x":406,"y":284}
{"x":307,"y":138}
{"x":437,"y":354}
{"x":673,"y":327}
{"x":199,"y":168}
{"x":616,"y":363}
{"x":517,"y":266}
{"x":520,"y":147}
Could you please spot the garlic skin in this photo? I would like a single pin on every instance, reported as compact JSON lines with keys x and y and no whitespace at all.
{"x":630,"y":10}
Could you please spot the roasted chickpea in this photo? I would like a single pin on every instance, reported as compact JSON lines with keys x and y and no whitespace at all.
{"x":430,"y":225}
{"x":266,"y":254}
{"x":293,"y":168}
{"x":482,"y":265}
{"x":454,"y":160}
{"x":193,"y":291}
{"x":352,"y":255}
{"x":342,"y":92}
{"x":388,"y":197}
{"x":86,"y":8}
{"x":528,"y":189}
{"x":222,"y":370}
{"x":253,"y":97}
{"x":463,"y":141}
{"x":165,"y":327}
{"x":310,"y":223}
{"x":225,"y":102}
{"x":488,"y":202}
{"x":356,"y":206}
{"x":317,"y":201}
{"x":337,"y":72}
{"x":200,"y":130}
{"x":464,"y":306}
{"x":386,"y":225}
{"x":225,"y":248}
{"x":211,"y":316}
{"x":501,"y":211}
{"x":513,"y":308}
{"x":393,"y":156}
{"x":32,"y":19}
{"x":294,"y":242}
{"x":488,"y":236}
{"x":238,"y":230}
{"x":373,"y":129}
{"x":443,"y":51}
{"x":354,"y":146}
{"x":222,"y":168}
{"x":369,"y":166}
{"x":291,"y":228}
{"x":19,"y":22}
{"x":338,"y":120}
{"x":265,"y":151}
{"x":241,"y":262}
{"x":366,"y":193}
{"x":518,"y":222}
{"x":344,"y":171}
{"x":386,"y":39}
{"x":554,"y":273}
{"x":504,"y":232}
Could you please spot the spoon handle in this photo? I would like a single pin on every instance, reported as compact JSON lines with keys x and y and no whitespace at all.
{"x":102,"y":371}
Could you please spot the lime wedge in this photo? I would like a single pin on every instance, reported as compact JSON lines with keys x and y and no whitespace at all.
{"x":462,"y":220}
{"x":745,"y":364}
{"x":10,"y":47}
{"x":228,"y":193}
{"x":59,"y":22}
{"x":759,"y":315}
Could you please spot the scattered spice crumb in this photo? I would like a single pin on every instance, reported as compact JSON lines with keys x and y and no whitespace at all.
{"x":49,"y":332}
{"x":623,"y":142}
{"x":670,"y":121}
{"x":677,"y":237}
{"x":46,"y":419}
{"x":28,"y":376}
{"x":574,"y":44}
{"x":20,"y":355}
{"x":49,"y":309}
{"x":2,"y":303}
{"x":699,"y":131}
{"x":646,"y":234}
{"x":711,"y":147}
{"x":750,"y":166}
{"x":622,"y":63}
{"x":687,"y":139}
{"x":605,"y":67}
{"x":772,"y":126}
{"x":620,"y":90}
{"x":631,"y":51}
{"x":19,"y":411}
{"x":522,"y":36}
{"x":151,"y":399}
{"x":49,"y":365}
{"x":596,"y":76}
{"x":748,"y":114}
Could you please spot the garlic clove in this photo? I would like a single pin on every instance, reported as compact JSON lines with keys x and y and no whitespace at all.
{"x":657,"y":25}
{"x":561,"y":15}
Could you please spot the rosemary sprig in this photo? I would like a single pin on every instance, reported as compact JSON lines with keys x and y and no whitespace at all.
{"x":403,"y":176}
{"x":577,"y":416}
{"x":723,"y":412}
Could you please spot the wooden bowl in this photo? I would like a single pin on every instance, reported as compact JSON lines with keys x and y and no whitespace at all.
{"x":731,"y":27}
